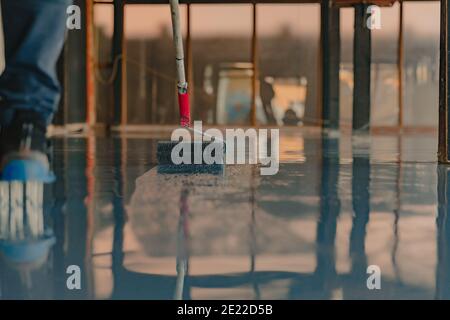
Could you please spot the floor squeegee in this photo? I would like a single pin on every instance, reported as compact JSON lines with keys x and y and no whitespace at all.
{"x":165,"y":148}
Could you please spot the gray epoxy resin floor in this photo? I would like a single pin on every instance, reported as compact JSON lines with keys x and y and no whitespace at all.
{"x":338,"y":206}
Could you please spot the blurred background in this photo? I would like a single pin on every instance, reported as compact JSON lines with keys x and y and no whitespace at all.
{"x":225,"y":44}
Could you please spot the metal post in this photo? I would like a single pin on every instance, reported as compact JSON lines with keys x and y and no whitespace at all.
{"x":75,"y":68}
{"x":400,"y":64}
{"x":443,"y":150}
{"x":90,"y":80}
{"x":361,"y":70}
{"x":330,"y":53}
{"x":118,"y":58}
{"x":255,"y":68}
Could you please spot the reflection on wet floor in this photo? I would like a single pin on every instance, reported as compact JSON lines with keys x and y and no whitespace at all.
{"x":337,"y":206}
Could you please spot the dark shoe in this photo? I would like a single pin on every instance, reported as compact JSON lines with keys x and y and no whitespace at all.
{"x":23,"y":148}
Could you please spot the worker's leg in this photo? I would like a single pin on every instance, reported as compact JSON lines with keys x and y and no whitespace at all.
{"x":29,"y":89}
{"x":34,"y":36}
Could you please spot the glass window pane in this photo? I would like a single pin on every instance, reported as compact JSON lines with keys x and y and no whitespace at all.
{"x":103,"y":30}
{"x":384,"y":74}
{"x":150,"y":66}
{"x":288,"y":41}
{"x":222,"y":69}
{"x":421,"y":63}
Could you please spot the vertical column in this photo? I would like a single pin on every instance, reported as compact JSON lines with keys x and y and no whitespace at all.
{"x":443,"y":150}
{"x":255,"y":69}
{"x":117,"y":58}
{"x":74,"y":69}
{"x":400,"y":64}
{"x":90,"y":79}
{"x":361,"y":70}
{"x":331,"y":47}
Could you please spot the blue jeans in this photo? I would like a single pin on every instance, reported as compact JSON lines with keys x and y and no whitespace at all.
{"x":34,"y":36}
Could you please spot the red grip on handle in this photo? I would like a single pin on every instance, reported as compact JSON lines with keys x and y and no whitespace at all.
{"x":185,"y":109}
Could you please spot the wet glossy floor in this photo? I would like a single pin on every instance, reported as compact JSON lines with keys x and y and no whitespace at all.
{"x":336,"y":207}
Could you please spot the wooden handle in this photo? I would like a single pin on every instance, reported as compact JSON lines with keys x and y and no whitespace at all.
{"x":178,"y":42}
